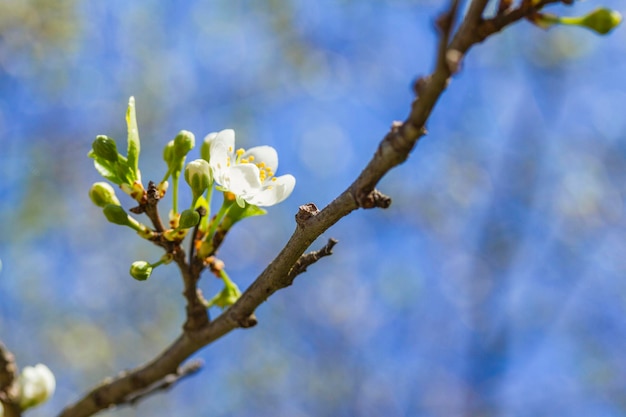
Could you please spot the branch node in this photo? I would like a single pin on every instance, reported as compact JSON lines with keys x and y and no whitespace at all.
{"x":305,"y":213}
{"x":9,"y":389}
{"x":247,"y":322}
{"x":420,"y":85}
{"x":373,"y":199}
{"x":453,"y":60}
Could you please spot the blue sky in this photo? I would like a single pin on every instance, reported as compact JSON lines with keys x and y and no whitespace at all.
{"x":493,"y":284}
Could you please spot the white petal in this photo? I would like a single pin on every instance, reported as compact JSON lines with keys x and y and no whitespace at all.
{"x":265,"y":154}
{"x":242,"y":180}
{"x":227,"y":137}
{"x":221,"y":151}
{"x":274,"y":193}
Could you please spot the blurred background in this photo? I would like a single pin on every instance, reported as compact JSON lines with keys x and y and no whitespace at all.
{"x":493,"y":286}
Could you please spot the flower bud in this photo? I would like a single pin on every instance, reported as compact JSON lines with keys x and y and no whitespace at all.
{"x":601,"y":20}
{"x":168,"y":152}
{"x":188,"y":219}
{"x":37,"y":384}
{"x":140,"y":270}
{"x":101,"y":193}
{"x":183,"y":143}
{"x":205,"y":150}
{"x":198,"y":176}
{"x":105,"y":148}
{"x":116,"y":214}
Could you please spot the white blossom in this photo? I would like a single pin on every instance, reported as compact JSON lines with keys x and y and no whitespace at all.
{"x":37,"y":384}
{"x":250,"y":175}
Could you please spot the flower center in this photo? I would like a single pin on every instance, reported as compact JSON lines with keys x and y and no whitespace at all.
{"x":265,"y":172}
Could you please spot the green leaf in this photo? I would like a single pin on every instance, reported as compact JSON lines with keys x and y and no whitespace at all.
{"x":133,"y":140}
{"x":105,"y":147}
{"x":124,"y":171}
{"x":237,"y":213}
{"x":107,"y":169}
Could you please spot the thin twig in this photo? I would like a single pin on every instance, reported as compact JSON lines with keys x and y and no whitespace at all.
{"x":166,"y":383}
{"x":309,"y":259}
{"x":393,"y":150}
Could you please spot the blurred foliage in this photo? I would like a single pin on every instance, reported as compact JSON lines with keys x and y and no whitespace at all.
{"x":33,"y":31}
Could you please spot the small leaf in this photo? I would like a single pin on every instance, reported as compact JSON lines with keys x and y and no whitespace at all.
{"x":237,"y":213}
{"x":107,"y":170}
{"x":105,"y":147}
{"x":133,"y":140}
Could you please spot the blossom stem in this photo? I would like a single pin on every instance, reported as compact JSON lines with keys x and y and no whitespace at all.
{"x":175,"y":192}
{"x":226,"y":205}
{"x":209,"y":193}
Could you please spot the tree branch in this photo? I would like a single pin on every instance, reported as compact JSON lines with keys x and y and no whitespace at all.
{"x":166,"y":383}
{"x":9,"y":388}
{"x":310,"y":222}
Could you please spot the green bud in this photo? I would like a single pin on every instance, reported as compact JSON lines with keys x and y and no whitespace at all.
{"x":188,"y":219}
{"x":168,"y":152}
{"x":101,"y":193}
{"x":176,"y":151}
{"x":116,"y":215}
{"x":183,"y":143}
{"x":198,"y":176}
{"x":602,"y":20}
{"x":227,"y":297}
{"x":140,"y":270}
{"x":105,"y":148}
{"x":205,"y":150}
{"x":229,"y":294}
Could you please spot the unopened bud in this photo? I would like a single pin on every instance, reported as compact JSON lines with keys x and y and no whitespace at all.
{"x":168,"y":152}
{"x":140,"y":270}
{"x":198,"y":176}
{"x":183,"y":143}
{"x":101,"y":193}
{"x":205,"y":150}
{"x":602,"y":20}
{"x":188,"y":219}
{"x":37,"y":384}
